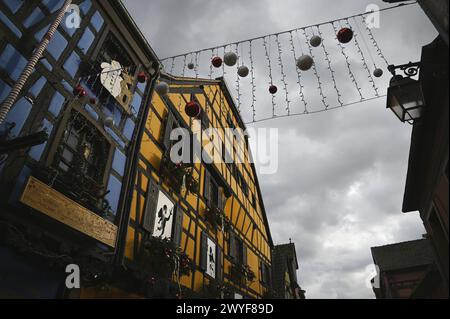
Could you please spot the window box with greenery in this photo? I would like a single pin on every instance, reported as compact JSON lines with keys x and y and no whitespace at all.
{"x":160,"y":258}
{"x":179,"y":175}
{"x":242,"y":274}
{"x":217,"y":219}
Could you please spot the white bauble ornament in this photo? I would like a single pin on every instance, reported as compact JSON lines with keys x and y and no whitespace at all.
{"x":162,"y":88}
{"x":108,"y":122}
{"x":378,"y":73}
{"x":230,"y":58}
{"x":315,"y":41}
{"x":191,"y":66}
{"x":243,"y":71}
{"x":305,"y":62}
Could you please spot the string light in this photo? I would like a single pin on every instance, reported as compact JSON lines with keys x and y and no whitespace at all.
{"x":319,"y":81}
{"x":363,"y":59}
{"x":238,"y":82}
{"x":283,"y":75}
{"x":349,"y":67}
{"x":299,"y":74}
{"x":269,"y":66}
{"x":324,"y":88}
{"x":330,"y":68}
{"x":252,"y":74}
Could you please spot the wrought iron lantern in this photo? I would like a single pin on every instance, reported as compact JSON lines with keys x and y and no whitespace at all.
{"x":405,"y":96}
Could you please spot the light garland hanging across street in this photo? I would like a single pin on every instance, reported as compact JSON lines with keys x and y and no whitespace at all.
{"x":336,"y":57}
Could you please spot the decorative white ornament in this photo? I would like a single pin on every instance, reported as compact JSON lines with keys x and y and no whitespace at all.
{"x":230,"y":58}
{"x":315,"y":41}
{"x":378,"y":72}
{"x":305,"y":62}
{"x":243,"y":71}
{"x":110,"y":77}
{"x":191,"y":66}
{"x":108,"y":122}
{"x":162,"y":88}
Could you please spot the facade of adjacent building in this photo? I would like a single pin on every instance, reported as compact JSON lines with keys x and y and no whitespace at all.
{"x":63,"y":201}
{"x":407,"y":270}
{"x":284,"y":273}
{"x":215,"y":212}
{"x":102,"y":192}
{"x":427,"y":179}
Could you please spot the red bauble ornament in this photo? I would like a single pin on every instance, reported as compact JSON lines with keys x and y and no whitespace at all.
{"x":79,"y":91}
{"x":192,"y":109}
{"x":345,"y":35}
{"x":273,"y":89}
{"x":142,"y":77}
{"x":216,"y":62}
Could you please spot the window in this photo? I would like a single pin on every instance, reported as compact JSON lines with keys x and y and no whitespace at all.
{"x":117,"y":69}
{"x":238,"y":250}
{"x":264,"y":273}
{"x":213,"y":193}
{"x":81,"y":160}
{"x":12,"y":62}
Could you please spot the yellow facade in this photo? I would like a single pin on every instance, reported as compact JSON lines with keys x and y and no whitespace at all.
{"x":243,"y":207}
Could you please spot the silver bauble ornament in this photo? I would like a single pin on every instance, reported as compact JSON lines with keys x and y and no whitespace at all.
{"x":315,"y":41}
{"x":162,"y":88}
{"x":378,"y":73}
{"x":191,"y":66}
{"x":305,"y":62}
{"x":108,"y":122}
{"x":230,"y":58}
{"x":243,"y":71}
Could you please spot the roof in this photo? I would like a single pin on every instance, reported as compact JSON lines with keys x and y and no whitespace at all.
{"x":123,"y":13}
{"x":404,"y":255}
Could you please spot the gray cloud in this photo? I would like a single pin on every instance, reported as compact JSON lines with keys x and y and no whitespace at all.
{"x":339,"y":187}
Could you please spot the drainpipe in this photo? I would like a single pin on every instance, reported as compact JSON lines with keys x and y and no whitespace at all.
{"x":29,"y":68}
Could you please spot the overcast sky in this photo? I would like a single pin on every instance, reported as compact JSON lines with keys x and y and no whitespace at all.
{"x":339,"y":187}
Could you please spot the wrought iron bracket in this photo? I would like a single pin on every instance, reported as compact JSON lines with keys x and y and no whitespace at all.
{"x":410,"y":69}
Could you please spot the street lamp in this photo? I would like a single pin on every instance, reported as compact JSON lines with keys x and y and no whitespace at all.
{"x":405,"y":96}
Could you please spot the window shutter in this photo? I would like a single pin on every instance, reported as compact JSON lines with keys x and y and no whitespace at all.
{"x":150,"y":206}
{"x":261,"y":272}
{"x":244,"y":254}
{"x":269,"y":276}
{"x":178,"y":226}
{"x":264,"y":273}
{"x":207,"y":188}
{"x":219,"y":264}
{"x":169,"y":126}
{"x":232,"y":246}
{"x":221,"y":199}
{"x":204,"y":251}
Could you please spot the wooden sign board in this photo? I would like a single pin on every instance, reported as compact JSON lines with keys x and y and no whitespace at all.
{"x":48,"y":201}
